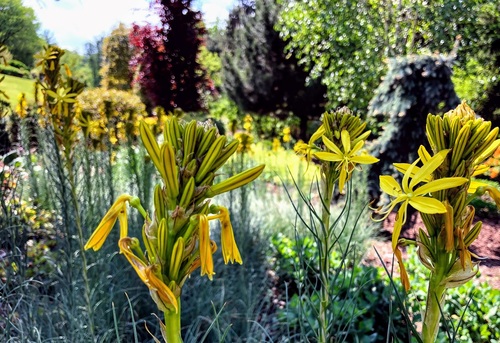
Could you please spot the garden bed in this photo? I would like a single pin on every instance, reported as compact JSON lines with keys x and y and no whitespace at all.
{"x":487,"y":247}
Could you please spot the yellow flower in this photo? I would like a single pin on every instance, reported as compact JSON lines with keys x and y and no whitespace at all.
{"x":287,"y":137}
{"x":347,"y":158}
{"x":117,"y":211}
{"x":416,"y":197}
{"x":230,"y":250}
{"x":161,"y":293}
{"x":247,"y":125}
{"x":276,"y":144}
{"x":206,"y":260}
{"x":306,"y":149}
{"x":409,"y":194}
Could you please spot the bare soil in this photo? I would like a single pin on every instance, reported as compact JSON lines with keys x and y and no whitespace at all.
{"x":486,"y":246}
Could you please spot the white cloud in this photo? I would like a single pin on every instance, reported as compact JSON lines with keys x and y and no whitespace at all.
{"x":76,"y":22}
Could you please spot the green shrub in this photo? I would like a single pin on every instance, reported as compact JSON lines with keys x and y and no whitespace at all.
{"x":13,"y":71}
{"x":19,"y":65}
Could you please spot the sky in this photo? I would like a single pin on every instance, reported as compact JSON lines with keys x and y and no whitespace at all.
{"x":72,"y":23}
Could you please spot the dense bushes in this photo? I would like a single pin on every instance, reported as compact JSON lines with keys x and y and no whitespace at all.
{"x":14,"y":71}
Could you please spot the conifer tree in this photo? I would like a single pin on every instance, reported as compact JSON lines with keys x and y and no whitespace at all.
{"x":117,"y":52}
{"x":256,"y":72}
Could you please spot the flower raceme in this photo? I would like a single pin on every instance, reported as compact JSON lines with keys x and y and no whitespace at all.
{"x":342,"y":139}
{"x":414,"y":191}
{"x":346,"y":158}
{"x":176,"y":238}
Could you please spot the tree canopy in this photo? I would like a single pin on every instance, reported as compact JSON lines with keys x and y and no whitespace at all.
{"x":116,"y":55}
{"x":18,"y":30}
{"x":345,"y":42}
{"x":165,"y":57}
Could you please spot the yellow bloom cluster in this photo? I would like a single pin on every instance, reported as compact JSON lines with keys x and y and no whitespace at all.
{"x":177,"y":239}
{"x":438,"y":189}
{"x":341,"y":147}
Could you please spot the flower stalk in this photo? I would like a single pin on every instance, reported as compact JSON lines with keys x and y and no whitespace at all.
{"x":337,"y":144}
{"x":441,"y":189}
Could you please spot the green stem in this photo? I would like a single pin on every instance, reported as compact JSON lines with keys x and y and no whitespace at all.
{"x":324,"y":255}
{"x":173,"y":325}
{"x":81,"y":241}
{"x":435,"y":299}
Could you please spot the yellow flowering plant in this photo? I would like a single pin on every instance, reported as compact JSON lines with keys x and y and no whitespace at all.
{"x":175,"y":240}
{"x":440,"y":189}
{"x":337,"y":146}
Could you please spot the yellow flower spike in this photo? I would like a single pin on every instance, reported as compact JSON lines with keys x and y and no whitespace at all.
{"x":117,"y":211}
{"x":206,"y":260}
{"x":230,"y":250}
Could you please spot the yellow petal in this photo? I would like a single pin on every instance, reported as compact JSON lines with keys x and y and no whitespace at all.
{"x":207,"y":264}
{"x":100,"y":234}
{"x":163,"y":291}
{"x":230,"y":250}
{"x":364,"y":159}
{"x":389,"y":185}
{"x":122,"y":218}
{"x":494,"y":194}
{"x":428,"y":168}
{"x":402,"y":270}
{"x":327,"y":156}
{"x":331,"y":146}
{"x":319,"y":132}
{"x":423,"y":154}
{"x":407,"y":175}
{"x":438,"y":185}
{"x":102,"y":231}
{"x":474,"y":185}
{"x":400,"y":220}
{"x":342,"y":178}
{"x":346,"y":140}
{"x":427,"y":205}
{"x":356,"y":148}
{"x":480,"y":169}
{"x":138,"y":264}
{"x":449,"y":226}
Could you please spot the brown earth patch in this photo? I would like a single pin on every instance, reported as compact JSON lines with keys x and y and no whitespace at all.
{"x":487,"y":246}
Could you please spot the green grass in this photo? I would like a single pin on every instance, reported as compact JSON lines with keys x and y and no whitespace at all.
{"x":13,"y":86}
